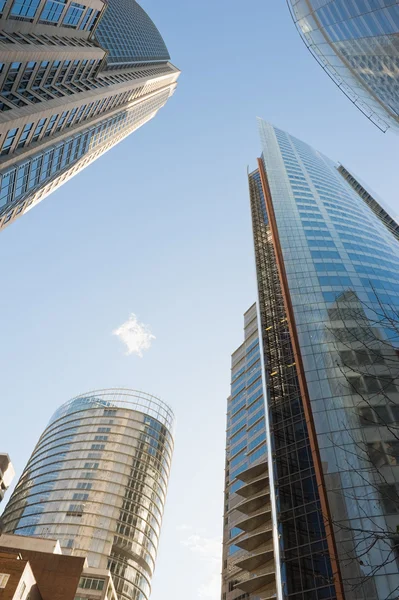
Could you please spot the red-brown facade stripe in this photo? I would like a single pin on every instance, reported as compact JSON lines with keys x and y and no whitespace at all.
{"x":303,"y":386}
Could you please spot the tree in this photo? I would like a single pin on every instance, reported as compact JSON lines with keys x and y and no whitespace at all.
{"x":364,"y":336}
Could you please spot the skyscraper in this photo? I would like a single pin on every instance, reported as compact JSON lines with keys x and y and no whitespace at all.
{"x":76,"y":80}
{"x":327,"y":258}
{"x":248,"y":551}
{"x":356,"y":43}
{"x":97,"y":482}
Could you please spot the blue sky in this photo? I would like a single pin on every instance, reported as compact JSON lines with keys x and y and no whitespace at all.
{"x":160,"y":227}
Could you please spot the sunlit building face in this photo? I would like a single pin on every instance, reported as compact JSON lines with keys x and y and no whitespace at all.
{"x":97,"y":482}
{"x":327,"y":259}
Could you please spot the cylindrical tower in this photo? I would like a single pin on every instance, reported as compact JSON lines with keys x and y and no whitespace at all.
{"x":97,"y":481}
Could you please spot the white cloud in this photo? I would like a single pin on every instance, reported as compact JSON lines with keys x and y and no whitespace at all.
{"x":135,"y":335}
{"x":206,"y":547}
{"x":209,"y":550}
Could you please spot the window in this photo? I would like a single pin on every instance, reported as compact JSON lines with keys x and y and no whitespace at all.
{"x":389,"y":499}
{"x":38,"y":130}
{"x":93,"y":20}
{"x":50,"y":125}
{"x":4,"y":577}
{"x":75,"y":510}
{"x":381,"y":415}
{"x":73,"y":15}
{"x":52,"y":10}
{"x":235,"y":531}
{"x":375,"y":415}
{"x":7,"y":185}
{"x":22,"y":590}
{"x":91,"y":465}
{"x":89,"y":583}
{"x":24,"y":135}
{"x":79,"y":496}
{"x":97,"y":447}
{"x":21,"y":180}
{"x":80,"y":113}
{"x":62,"y":120}
{"x":86,"y":18}
{"x":8,"y":142}
{"x":376,"y":454}
{"x":34,"y":173}
{"x":82,"y":485}
{"x":100,"y":438}
{"x":366,"y":416}
{"x":395,"y":412}
{"x":392,"y":452}
{"x":25,"y":8}
{"x":71,"y":116}
{"x":104,"y":429}
{"x":26,"y":75}
{"x":381,"y":454}
{"x":395,"y":546}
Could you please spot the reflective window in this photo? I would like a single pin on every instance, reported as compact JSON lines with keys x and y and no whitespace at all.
{"x":38,"y":130}
{"x":86,"y":18}
{"x":50,"y":125}
{"x":52,"y":10}
{"x":73,"y":14}
{"x":9,"y":140}
{"x":25,"y":8}
{"x":24,"y":135}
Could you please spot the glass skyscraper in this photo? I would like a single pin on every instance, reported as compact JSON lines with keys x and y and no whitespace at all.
{"x":357,"y":43}
{"x":327,"y":260}
{"x":248,"y":550}
{"x":75,"y":80}
{"x":97,"y":482}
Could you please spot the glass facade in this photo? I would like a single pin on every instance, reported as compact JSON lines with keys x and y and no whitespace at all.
{"x":129,"y":34}
{"x":23,"y":185}
{"x":248,"y":563}
{"x":356,"y":42}
{"x":320,"y":274}
{"x":97,"y":481}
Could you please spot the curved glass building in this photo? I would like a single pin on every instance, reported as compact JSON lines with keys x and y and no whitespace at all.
{"x":97,"y":481}
{"x":75,"y":80}
{"x":357,"y":43}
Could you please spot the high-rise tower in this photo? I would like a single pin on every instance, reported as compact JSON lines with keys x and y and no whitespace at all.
{"x":327,"y":260}
{"x":357,"y":44}
{"x":248,"y":551}
{"x":97,"y":482}
{"x":75,"y":80}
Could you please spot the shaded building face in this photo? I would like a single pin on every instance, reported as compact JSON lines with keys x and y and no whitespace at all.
{"x":97,"y":481}
{"x":76,"y":79}
{"x":248,"y":551}
{"x":357,"y":43}
{"x":327,"y":258}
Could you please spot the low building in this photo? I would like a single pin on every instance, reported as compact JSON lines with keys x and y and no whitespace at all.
{"x":36,"y":569}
